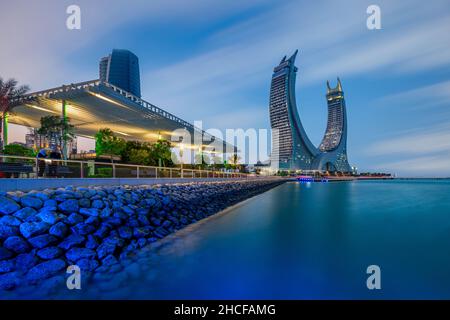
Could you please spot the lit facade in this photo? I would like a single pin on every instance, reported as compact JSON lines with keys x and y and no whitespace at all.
{"x":291,"y":147}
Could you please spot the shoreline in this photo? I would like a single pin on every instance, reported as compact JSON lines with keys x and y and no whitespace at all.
{"x":96,"y":228}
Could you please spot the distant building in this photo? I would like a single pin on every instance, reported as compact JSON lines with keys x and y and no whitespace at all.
{"x":121,"y":68}
{"x":291,"y":147}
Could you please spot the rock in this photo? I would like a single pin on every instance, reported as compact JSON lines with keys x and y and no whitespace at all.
{"x":102,"y":231}
{"x":88,"y":265}
{"x":51,"y":203}
{"x":98,"y":204}
{"x":25,"y":213}
{"x":84,"y":203}
{"x":93,"y":220}
{"x":105,"y":249}
{"x":16,"y":244}
{"x":141,"y":232}
{"x":69,"y":206}
{"x":8,"y":206}
{"x":48,"y":217}
{"x":49,"y":253}
{"x":141,"y":242}
{"x":71,"y":241}
{"x":83,"y":229}
{"x":89,"y":212}
{"x":26,"y":261}
{"x":91,"y":242}
{"x":5,"y":254}
{"x":76,"y":254}
{"x":9,"y":281}
{"x":10,"y":221}
{"x":31,"y":202}
{"x":46,"y":269}
{"x":59,"y":230}
{"x":106,"y":212}
{"x":155,"y":221}
{"x":125,"y":232}
{"x":30,"y":229}
{"x":109,"y":260}
{"x":160,"y":232}
{"x":42,"y":241}
{"x":7,"y":266}
{"x":7,"y":231}
{"x":143,"y":220}
{"x":74,"y":219}
{"x":127,"y":210}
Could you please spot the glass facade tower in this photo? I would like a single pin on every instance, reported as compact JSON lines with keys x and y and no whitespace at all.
{"x":291,"y":147}
{"x":121,"y":68}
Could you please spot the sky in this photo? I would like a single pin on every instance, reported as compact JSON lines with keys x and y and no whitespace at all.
{"x":213,"y":60}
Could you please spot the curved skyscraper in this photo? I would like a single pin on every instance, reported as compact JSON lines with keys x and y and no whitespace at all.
{"x":291,"y":147}
{"x":121,"y":68}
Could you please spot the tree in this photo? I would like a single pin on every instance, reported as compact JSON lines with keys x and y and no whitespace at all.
{"x":160,"y":154}
{"x":136,"y":152}
{"x":8,"y":91}
{"x":139,"y":156}
{"x":15,"y":149}
{"x":57,"y":130}
{"x":106,"y":143}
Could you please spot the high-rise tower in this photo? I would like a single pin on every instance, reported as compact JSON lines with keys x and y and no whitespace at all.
{"x":121,"y":68}
{"x":293,"y":147}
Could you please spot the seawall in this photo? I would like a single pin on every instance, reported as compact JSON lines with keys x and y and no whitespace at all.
{"x":96,"y":228}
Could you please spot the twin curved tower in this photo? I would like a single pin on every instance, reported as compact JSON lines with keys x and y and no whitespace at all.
{"x":291,"y":147}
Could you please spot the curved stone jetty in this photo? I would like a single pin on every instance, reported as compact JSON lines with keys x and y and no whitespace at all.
{"x":43,"y":232}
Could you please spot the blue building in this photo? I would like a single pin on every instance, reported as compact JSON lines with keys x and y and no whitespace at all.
{"x":121,"y":68}
{"x":291,"y":147}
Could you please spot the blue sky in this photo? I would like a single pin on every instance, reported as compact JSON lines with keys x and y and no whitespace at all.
{"x":213,"y":60}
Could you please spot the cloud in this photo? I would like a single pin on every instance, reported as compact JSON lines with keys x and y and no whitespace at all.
{"x":419,"y":166}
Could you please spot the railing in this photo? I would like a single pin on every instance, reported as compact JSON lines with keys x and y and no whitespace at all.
{"x":28,"y":167}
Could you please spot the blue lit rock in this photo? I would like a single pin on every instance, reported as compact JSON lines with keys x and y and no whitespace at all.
{"x":88,"y":264}
{"x":49,"y":217}
{"x":10,"y":221}
{"x":5,"y":254}
{"x":46,"y":269}
{"x":72,"y":241}
{"x":74,"y":219}
{"x":69,"y":206}
{"x":49,"y":253}
{"x":31,"y":202}
{"x":25,"y":213}
{"x":76,"y":254}
{"x":7,"y":266}
{"x":30,"y":229}
{"x":42,"y":241}
{"x":9,"y":281}
{"x":59,"y":230}
{"x":89,"y":212}
{"x":16,"y":244}
{"x":8,"y":206}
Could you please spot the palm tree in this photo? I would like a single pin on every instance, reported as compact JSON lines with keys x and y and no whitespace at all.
{"x":8,"y":91}
{"x":57,"y":131}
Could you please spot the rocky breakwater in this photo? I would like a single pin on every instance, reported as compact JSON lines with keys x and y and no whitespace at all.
{"x":95,"y":228}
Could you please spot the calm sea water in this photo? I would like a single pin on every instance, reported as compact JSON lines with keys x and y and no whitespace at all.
{"x":303,"y":241}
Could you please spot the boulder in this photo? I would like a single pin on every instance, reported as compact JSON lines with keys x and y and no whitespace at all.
{"x":105,"y":249}
{"x":42,"y":241}
{"x":59,"y":229}
{"x":31,"y":202}
{"x":46,"y":270}
{"x":7,"y":266}
{"x":76,"y":254}
{"x":69,"y":206}
{"x":49,"y":217}
{"x":30,"y":229}
{"x":71,"y":241}
{"x":25,"y":213}
{"x":74,"y":219}
{"x":8,"y":206}
{"x":10,"y":221}
{"x":49,"y":253}
{"x":9,"y":281}
{"x":98,"y":204}
{"x":26,"y":261}
{"x":109,"y":260}
{"x":83,"y":229}
{"x":88,"y":265}
{"x":16,"y":244}
{"x":5,"y":254}
{"x":7,"y":231}
{"x":89,"y":212}
{"x":125,"y":232}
